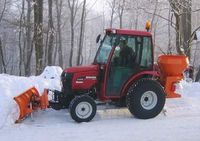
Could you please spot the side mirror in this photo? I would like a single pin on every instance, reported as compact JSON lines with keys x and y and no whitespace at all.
{"x":98,"y":38}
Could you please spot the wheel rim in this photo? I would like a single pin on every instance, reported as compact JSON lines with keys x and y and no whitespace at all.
{"x":149,"y":100}
{"x":83,"y":110}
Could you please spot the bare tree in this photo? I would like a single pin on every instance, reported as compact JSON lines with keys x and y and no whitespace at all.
{"x":154,"y":22}
{"x":2,"y":56}
{"x":120,"y":11}
{"x":154,"y":15}
{"x":51,"y":32}
{"x":59,"y":11}
{"x":73,"y":7}
{"x":38,"y":34}
{"x":169,"y":50}
{"x":182,"y":12}
{"x":198,"y":75}
{"x":29,"y":46}
{"x":20,"y":38}
{"x":81,"y":37}
{"x":1,"y":46}
{"x":3,"y":10}
{"x":112,"y":5}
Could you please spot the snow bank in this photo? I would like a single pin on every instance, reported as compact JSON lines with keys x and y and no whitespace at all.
{"x":11,"y":86}
{"x":188,"y":104}
{"x":189,"y":89}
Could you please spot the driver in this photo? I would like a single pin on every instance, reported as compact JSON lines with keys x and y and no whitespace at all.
{"x":126,"y":54}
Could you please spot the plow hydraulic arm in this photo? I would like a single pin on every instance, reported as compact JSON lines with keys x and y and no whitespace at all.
{"x":29,"y":101}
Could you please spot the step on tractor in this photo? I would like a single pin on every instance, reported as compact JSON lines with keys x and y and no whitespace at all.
{"x":124,"y":73}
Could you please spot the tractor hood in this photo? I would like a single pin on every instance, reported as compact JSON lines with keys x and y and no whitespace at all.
{"x":82,"y":69}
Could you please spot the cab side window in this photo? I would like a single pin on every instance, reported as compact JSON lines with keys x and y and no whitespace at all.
{"x":146,"y":60}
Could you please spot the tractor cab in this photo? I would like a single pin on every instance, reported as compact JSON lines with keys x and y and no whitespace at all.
{"x":122,"y":54}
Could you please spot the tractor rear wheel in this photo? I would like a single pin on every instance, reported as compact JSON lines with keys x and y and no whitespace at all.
{"x":82,"y":108}
{"x":146,"y":99}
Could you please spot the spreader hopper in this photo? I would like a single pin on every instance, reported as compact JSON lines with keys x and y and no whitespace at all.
{"x":171,"y":71}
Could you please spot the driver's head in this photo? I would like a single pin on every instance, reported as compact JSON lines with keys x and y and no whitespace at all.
{"x":122,"y":43}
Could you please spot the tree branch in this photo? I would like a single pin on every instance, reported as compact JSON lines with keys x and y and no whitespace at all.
{"x":4,"y":8}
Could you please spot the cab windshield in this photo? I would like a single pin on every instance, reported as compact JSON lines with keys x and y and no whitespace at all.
{"x":140,"y":48}
{"x":104,"y":50}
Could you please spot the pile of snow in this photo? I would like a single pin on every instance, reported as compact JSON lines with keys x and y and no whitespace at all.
{"x":188,"y":89}
{"x":188,"y":104}
{"x":11,"y":86}
{"x":51,"y":72}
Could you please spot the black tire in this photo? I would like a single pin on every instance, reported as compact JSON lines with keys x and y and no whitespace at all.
{"x":145,"y":99}
{"x":81,"y":104}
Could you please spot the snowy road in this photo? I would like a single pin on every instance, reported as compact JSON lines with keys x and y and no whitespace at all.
{"x":181,"y":123}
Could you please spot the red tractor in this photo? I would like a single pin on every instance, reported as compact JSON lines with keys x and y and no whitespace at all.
{"x":122,"y":72}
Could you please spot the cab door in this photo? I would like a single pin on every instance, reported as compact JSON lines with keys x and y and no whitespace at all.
{"x":121,"y":66}
{"x":119,"y":72}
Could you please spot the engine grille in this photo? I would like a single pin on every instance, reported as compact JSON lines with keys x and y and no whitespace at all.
{"x":66,"y":79}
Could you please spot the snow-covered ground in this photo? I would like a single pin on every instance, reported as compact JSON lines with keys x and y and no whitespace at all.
{"x":180,"y":121}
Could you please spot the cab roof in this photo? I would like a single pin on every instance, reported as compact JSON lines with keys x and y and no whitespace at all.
{"x":129,"y":32}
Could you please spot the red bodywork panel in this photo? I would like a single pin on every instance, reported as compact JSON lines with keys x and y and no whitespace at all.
{"x":129,"y":32}
{"x":103,"y":97}
{"x":84,"y":77}
{"x":136,"y":77}
{"x":84,"y":80}
{"x":82,"y":69}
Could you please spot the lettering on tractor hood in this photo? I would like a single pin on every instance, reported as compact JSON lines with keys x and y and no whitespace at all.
{"x":82,"y":69}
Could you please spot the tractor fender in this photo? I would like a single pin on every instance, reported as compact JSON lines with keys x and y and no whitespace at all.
{"x":136,"y":77}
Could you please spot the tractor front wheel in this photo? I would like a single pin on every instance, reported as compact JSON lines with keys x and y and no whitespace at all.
{"x":82,"y":108}
{"x":145,"y":99}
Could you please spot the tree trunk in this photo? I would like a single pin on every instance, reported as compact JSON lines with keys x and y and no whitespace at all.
{"x":73,"y":10}
{"x":178,"y":36}
{"x":79,"y":54}
{"x":55,"y":50}
{"x":121,"y":13}
{"x":120,"y":21}
{"x":72,"y":44}
{"x":169,"y":49}
{"x":182,"y":12}
{"x":136,"y":19}
{"x":20,"y":35}
{"x":186,"y":26}
{"x":2,"y":57}
{"x":38,"y":34}
{"x":3,"y":10}
{"x":112,"y":5}
{"x":59,"y":9}
{"x":51,"y":37}
{"x":198,"y":75}
{"x":153,"y":16}
{"x":29,"y":47}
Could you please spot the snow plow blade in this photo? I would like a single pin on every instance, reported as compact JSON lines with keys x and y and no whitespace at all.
{"x":29,"y":101}
{"x":172,"y":68}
